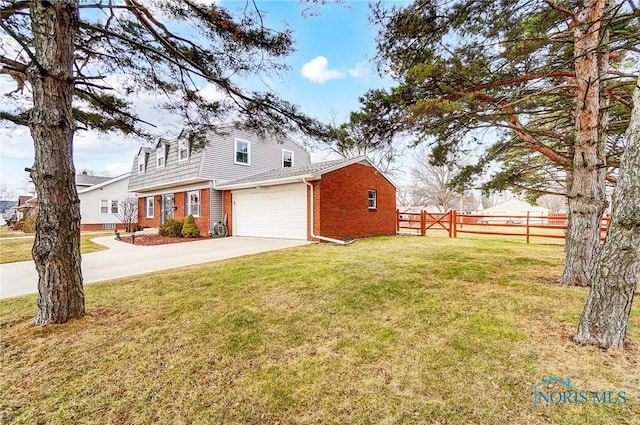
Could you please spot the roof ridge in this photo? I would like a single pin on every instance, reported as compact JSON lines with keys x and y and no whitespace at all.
{"x":291,"y":172}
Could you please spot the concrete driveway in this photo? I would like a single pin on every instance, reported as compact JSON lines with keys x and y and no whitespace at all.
{"x":123,"y":259}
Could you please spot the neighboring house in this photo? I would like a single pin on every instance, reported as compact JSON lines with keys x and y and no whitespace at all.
{"x":100,"y":201}
{"x":334,"y":200}
{"x":84,"y":180}
{"x":8,"y":208}
{"x":172,"y":180}
{"x":27,"y":205}
{"x":515,"y":211}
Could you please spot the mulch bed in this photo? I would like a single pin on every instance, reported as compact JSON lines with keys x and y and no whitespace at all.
{"x":147,"y":240}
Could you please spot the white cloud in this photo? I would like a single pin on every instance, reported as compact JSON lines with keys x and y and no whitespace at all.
{"x":211,"y":93}
{"x":361,"y":70}
{"x":118,"y":168}
{"x":317,"y":70}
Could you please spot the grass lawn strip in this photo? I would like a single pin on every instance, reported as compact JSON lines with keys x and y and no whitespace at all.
{"x":387,"y":330}
{"x":13,"y":250}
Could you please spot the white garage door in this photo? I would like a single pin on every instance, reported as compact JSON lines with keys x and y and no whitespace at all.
{"x":271,"y":212}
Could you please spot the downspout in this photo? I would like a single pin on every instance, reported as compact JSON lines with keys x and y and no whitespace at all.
{"x":313,"y":235}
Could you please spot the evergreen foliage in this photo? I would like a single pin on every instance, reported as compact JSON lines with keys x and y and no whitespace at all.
{"x":171,"y":228}
{"x":190,"y":229}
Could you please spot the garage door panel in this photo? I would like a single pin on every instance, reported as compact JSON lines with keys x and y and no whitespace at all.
{"x":276,"y":212}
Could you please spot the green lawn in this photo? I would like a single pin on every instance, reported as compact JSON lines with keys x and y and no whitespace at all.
{"x":5,"y":232}
{"x":395,"y":330}
{"x":12,"y":250}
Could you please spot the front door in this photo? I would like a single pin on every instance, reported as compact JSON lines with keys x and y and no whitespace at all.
{"x":167,"y":207}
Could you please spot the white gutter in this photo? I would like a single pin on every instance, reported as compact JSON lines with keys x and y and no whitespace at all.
{"x":313,"y":235}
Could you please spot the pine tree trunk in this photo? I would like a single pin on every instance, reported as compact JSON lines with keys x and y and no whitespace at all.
{"x":56,"y":250}
{"x":586,"y":194}
{"x":615,"y":274}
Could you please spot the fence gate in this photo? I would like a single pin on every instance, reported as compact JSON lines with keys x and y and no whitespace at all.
{"x":423,"y":221}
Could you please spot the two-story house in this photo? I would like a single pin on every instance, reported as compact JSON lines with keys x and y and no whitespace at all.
{"x":172,"y":180}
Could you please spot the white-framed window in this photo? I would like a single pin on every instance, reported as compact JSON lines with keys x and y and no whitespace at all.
{"x":141,"y":162}
{"x":287,"y":158}
{"x":160,"y":157}
{"x":109,"y":226}
{"x":193,"y":203}
{"x":148,"y":207}
{"x":183,"y":150}
{"x":242,"y":152}
{"x":372,"y":199}
{"x":108,"y":206}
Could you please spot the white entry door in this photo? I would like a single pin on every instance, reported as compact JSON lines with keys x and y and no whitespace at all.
{"x":271,"y":212}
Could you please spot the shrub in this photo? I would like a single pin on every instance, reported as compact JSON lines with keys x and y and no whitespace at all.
{"x":190,"y":230}
{"x":26,"y":224}
{"x":171,"y":228}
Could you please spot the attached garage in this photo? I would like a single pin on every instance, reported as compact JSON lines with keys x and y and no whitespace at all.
{"x":328,"y":201}
{"x":271,"y":211}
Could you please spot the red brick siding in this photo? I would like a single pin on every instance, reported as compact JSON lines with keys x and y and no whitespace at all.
{"x":99,"y":226}
{"x":343,"y":207}
{"x":317,"y":185}
{"x":179,"y":201}
{"x":152,"y":221}
{"x":179,"y":214}
{"x":227,"y":203}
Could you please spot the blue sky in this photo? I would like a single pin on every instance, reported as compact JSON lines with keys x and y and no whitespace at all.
{"x":330,"y":69}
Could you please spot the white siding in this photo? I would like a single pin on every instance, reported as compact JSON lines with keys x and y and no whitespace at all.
{"x":90,"y":202}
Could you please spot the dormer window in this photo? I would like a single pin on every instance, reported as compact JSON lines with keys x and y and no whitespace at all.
{"x":287,"y":158}
{"x":183,"y":150}
{"x":141,"y":162}
{"x":243,"y":151}
{"x":160,"y":157}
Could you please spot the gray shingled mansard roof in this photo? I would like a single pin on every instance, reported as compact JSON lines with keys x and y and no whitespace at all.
{"x":291,"y":174}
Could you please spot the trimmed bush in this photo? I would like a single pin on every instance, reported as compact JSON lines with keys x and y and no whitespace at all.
{"x":190,"y":230}
{"x":171,"y":228}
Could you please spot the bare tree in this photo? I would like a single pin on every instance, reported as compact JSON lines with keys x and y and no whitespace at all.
{"x":404,"y":196}
{"x":554,"y":203}
{"x":7,"y":197}
{"x":489,"y":200}
{"x":432,"y":184}
{"x":128,"y":212}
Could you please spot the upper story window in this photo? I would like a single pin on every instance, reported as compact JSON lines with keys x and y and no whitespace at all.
{"x":287,"y":158}
{"x":243,"y":151}
{"x":193,"y":203}
{"x":141,"y":162}
{"x":183,"y":150}
{"x":160,"y":157}
{"x":373,"y":199}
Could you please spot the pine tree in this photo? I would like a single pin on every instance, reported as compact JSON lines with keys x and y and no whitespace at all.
{"x":549,"y":80}
{"x":63,"y":52}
